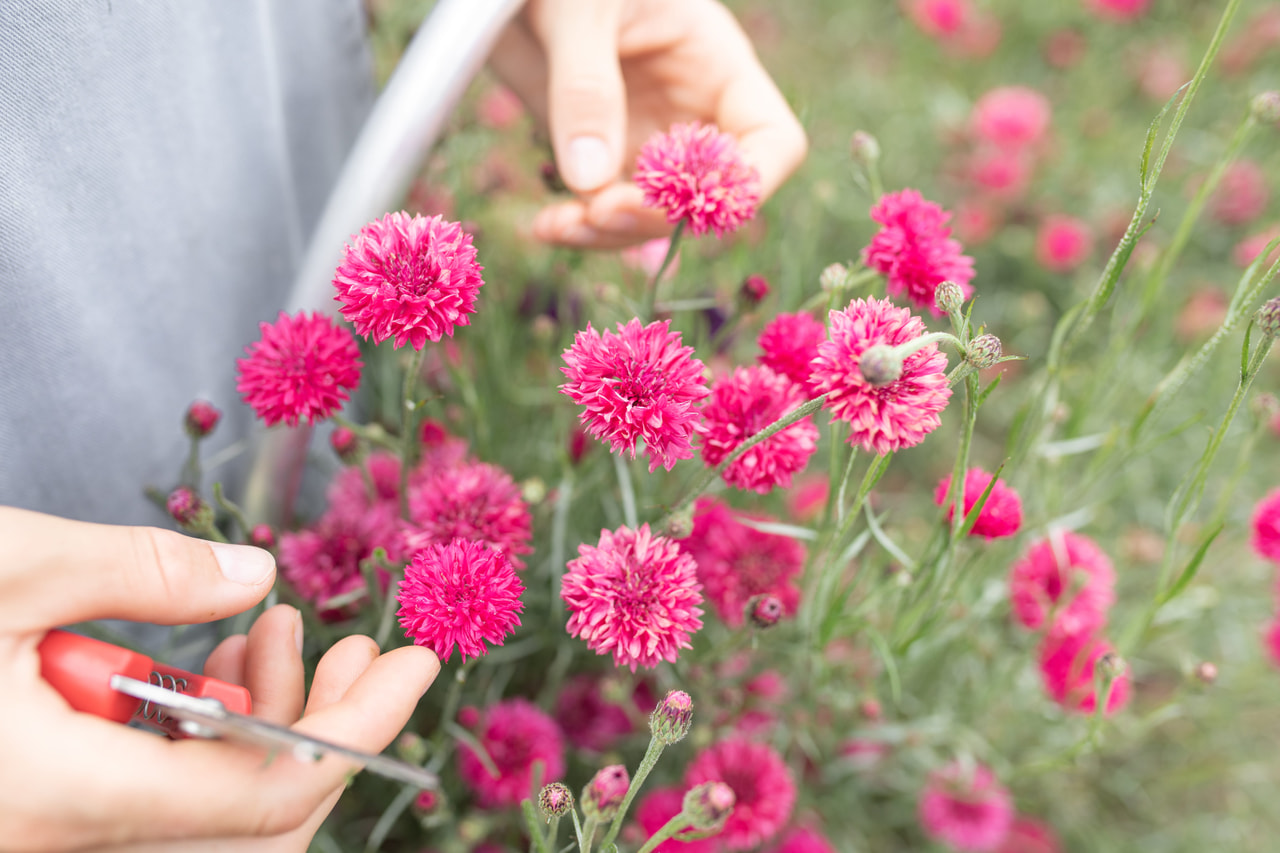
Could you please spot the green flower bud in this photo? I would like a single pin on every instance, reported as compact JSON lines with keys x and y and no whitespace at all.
{"x":603,"y":795}
{"x":880,"y":366}
{"x":708,"y":805}
{"x":948,"y":296}
{"x":1268,"y":317}
{"x":984,"y":351}
{"x":1266,"y":107}
{"x":555,"y":800}
{"x":672,"y":718}
{"x":833,"y":277}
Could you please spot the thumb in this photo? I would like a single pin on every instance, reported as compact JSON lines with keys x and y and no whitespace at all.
{"x":57,"y":572}
{"x":586,"y":98}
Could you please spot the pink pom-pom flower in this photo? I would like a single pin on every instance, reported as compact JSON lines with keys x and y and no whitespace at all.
{"x":1063,"y":243}
{"x":1242,"y":195}
{"x":1266,"y":527}
{"x":474,"y":501}
{"x":1067,"y":664}
{"x":789,"y":344}
{"x":914,"y":250}
{"x":1011,"y":117}
{"x":299,"y":370}
{"x":762,"y":785}
{"x":517,"y":736}
{"x":1065,"y":578}
{"x":1028,"y":835}
{"x":1001,"y":515}
{"x":940,"y":19}
{"x":966,"y":808}
{"x":696,"y":174}
{"x":1118,"y":10}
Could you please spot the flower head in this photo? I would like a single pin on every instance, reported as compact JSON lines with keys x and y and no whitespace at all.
{"x":300,"y":369}
{"x":696,"y":173}
{"x":914,"y":249}
{"x":408,"y":279}
{"x":659,"y":806}
{"x":201,"y":418}
{"x":1027,"y":835}
{"x":462,"y":594}
{"x":593,"y":719}
{"x":939,"y":18}
{"x":890,"y":417}
{"x":966,"y":808}
{"x":1063,"y":243}
{"x":789,"y":343}
{"x":736,"y":562}
{"x":1119,"y":10}
{"x":517,"y":736}
{"x":1011,"y":116}
{"x":1001,"y":515}
{"x":1266,"y":526}
{"x":763,"y":789}
{"x":1271,"y":640}
{"x":671,"y":718}
{"x":474,"y":501}
{"x":1067,"y":663}
{"x":555,"y":800}
{"x":1065,"y":577}
{"x":638,"y":384}
{"x":742,"y":404}
{"x":634,"y":595}
{"x":1242,"y":195}
{"x":322,"y":562}
{"x":803,"y":839}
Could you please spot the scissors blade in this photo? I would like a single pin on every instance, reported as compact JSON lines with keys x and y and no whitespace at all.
{"x":208,"y":718}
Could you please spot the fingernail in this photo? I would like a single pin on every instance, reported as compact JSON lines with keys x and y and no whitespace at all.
{"x":243,"y":564}
{"x":588,"y":166}
{"x":297,"y":629}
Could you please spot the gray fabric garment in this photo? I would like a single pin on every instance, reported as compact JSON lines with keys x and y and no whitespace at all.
{"x":162,"y":163}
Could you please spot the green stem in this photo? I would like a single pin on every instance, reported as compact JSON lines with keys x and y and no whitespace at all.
{"x":231,"y":509}
{"x":451,"y":701}
{"x":389,"y":607}
{"x":388,"y":818}
{"x":537,"y":843}
{"x":668,"y":829}
{"x":588,"y":835}
{"x":191,"y":468}
{"x":647,"y":763}
{"x":408,"y":441}
{"x":627,"y":490}
{"x":651,"y":295}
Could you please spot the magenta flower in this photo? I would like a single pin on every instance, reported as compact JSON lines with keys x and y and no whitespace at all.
{"x":761,"y":783}
{"x":638,"y":384}
{"x":1066,"y":668}
{"x":1002,"y":513}
{"x":300,"y":370}
{"x":888,"y":417}
{"x":966,"y":808}
{"x":462,"y":594}
{"x":408,"y":279}
{"x":789,"y":343}
{"x":1266,"y":526}
{"x":941,"y":19}
{"x":744,"y":403}
{"x":473,"y":501}
{"x":804,"y":839}
{"x":1120,"y":10}
{"x":913,"y":249}
{"x":736,"y":562}
{"x":696,"y":173}
{"x":1011,"y":117}
{"x":322,"y":562}
{"x":1063,"y":243}
{"x":1066,"y":581}
{"x":635,"y":595}
{"x":1271,"y":640}
{"x":516,"y":735}
{"x":1028,"y":835}
{"x":593,"y":722}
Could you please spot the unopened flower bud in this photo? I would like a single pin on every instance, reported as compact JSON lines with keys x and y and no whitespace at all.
{"x":833,"y":277}
{"x":262,"y":536}
{"x":879,"y":365}
{"x":984,"y":351}
{"x":426,"y":802}
{"x":603,"y":795}
{"x":1207,"y":672}
{"x":948,"y":296}
{"x":579,"y":443}
{"x":1110,"y":666}
{"x":1268,"y":317}
{"x":753,"y":291}
{"x":468,"y":716}
{"x":432,"y":433}
{"x":411,"y":747}
{"x":345,"y":444}
{"x":864,"y":148}
{"x":1266,"y":107}
{"x":680,"y":524}
{"x":764,"y":611}
{"x":201,"y":418}
{"x":708,"y":805}
{"x":672,"y":718}
{"x":555,"y":800}
{"x":189,"y":510}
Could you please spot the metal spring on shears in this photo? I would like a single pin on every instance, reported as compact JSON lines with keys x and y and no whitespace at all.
{"x":168,"y":682}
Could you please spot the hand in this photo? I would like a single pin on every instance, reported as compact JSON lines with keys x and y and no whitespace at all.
{"x":72,"y":780}
{"x":604,"y":75}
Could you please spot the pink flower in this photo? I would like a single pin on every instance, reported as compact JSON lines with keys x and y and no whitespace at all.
{"x":322,"y":563}
{"x":659,"y":806}
{"x":1066,"y":668}
{"x":696,"y":173}
{"x":1011,"y":116}
{"x":1242,"y":195}
{"x":408,"y":279}
{"x":736,"y":562}
{"x":1028,"y":835}
{"x":1065,"y":578}
{"x":789,"y":343}
{"x":1119,"y":10}
{"x":461,"y":594}
{"x":1001,"y":515}
{"x":300,"y":370}
{"x":939,"y":18}
{"x":889,"y":417}
{"x":516,"y":735}
{"x":473,"y":501}
{"x":639,"y":384}
{"x":593,"y":722}
{"x":201,"y":418}
{"x":499,"y":108}
{"x":1000,"y":172}
{"x":913,"y":249}
{"x":966,"y":808}
{"x":761,"y":783}
{"x":802,"y":839}
{"x":1266,"y":526}
{"x":1271,"y":640}
{"x":744,"y":403}
{"x":635,"y":595}
{"x":1248,"y":249}
{"x":1063,"y":243}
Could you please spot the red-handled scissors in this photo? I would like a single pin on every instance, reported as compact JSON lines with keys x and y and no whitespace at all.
{"x":117,"y":684}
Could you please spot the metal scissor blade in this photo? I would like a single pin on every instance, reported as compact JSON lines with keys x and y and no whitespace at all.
{"x":208,"y":718}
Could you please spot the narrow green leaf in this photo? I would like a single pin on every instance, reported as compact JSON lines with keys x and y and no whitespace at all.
{"x":890,"y":668}
{"x":1193,"y":565}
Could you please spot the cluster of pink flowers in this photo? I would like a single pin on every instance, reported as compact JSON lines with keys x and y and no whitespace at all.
{"x":697,"y":175}
{"x":959,"y":26}
{"x":966,"y":808}
{"x":789,"y":344}
{"x":516,"y":737}
{"x":1266,"y":542}
{"x":914,"y":249}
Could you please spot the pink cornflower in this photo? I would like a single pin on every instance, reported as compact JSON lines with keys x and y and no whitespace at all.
{"x":593,"y":722}
{"x":940,"y":19}
{"x":736,"y":562}
{"x":474,"y":501}
{"x":1271,"y":640}
{"x":463,"y":594}
{"x":659,"y":806}
{"x":516,"y":735}
{"x":913,"y":248}
{"x":742,"y":404}
{"x":499,"y":108}
{"x":1065,"y":578}
{"x":1242,"y":195}
{"x":201,"y":418}
{"x":966,"y":808}
{"x":888,"y":417}
{"x":999,"y":172}
{"x":696,"y":173}
{"x":1011,"y":116}
{"x":1250,"y":248}
{"x":408,"y":279}
{"x":1266,"y":526}
{"x":1066,"y":667}
{"x":1119,"y":10}
{"x":634,"y":595}
{"x":761,"y":783}
{"x":638,"y":384}
{"x":322,"y":562}
{"x":803,"y":839}
{"x":300,"y":369}
{"x":789,"y":343}
{"x":1063,"y":243}
{"x":1028,"y":835}
{"x":1001,"y":515}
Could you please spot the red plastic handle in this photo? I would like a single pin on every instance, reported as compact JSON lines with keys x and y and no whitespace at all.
{"x":80,"y":668}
